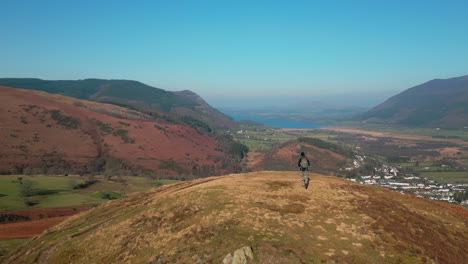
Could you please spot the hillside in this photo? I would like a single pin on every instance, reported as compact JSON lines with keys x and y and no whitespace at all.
{"x":50,"y":133}
{"x":201,"y":221}
{"x":437,"y":103}
{"x":128,"y":93}
{"x":324,"y":157}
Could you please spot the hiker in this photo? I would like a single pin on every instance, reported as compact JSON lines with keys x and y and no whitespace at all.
{"x":303,"y":165}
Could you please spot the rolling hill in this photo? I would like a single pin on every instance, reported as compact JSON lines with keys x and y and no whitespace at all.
{"x":437,"y":103}
{"x":128,"y":93}
{"x":202,"y":221}
{"x":324,"y":157}
{"x":50,"y":133}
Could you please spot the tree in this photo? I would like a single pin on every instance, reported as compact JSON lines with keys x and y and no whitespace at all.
{"x":352,"y":174}
{"x":28,"y":188}
{"x":460,"y":196}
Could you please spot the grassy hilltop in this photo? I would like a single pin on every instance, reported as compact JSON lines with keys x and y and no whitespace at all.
{"x":334,"y":221}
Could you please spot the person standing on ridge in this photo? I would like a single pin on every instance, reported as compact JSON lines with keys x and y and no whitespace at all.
{"x":303,"y":165}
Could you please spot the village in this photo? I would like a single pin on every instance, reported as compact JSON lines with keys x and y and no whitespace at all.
{"x":366,"y":170}
{"x":393,"y":178}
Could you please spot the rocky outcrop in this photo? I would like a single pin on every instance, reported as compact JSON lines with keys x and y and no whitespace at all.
{"x":240,"y":256}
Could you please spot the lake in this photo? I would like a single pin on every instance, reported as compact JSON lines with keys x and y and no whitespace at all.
{"x":279,"y":123}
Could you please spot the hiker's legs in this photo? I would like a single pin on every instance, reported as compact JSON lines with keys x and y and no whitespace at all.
{"x":303,"y":175}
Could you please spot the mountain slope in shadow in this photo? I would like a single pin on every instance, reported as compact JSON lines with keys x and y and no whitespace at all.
{"x":437,"y":103}
{"x":128,"y":93}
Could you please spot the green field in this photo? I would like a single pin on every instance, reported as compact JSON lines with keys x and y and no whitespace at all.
{"x":448,"y":176}
{"x":68,"y":199}
{"x":413,"y":164}
{"x":62,"y":194}
{"x":109,"y":195}
{"x":57,"y":191}
{"x":10,"y":194}
{"x":430,"y":168}
{"x":9,"y":244}
{"x":431,"y":132}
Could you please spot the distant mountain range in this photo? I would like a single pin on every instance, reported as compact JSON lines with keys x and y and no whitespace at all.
{"x":437,"y":103}
{"x":128,"y":93}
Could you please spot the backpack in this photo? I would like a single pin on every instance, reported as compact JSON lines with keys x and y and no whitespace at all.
{"x":304,"y":163}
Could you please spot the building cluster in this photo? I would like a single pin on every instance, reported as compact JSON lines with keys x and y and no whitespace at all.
{"x":390,"y":177}
{"x":244,"y":133}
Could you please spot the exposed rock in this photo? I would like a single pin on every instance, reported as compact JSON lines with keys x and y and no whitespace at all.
{"x":248,"y":252}
{"x":201,"y":260}
{"x":241,"y":256}
{"x":228,"y":259}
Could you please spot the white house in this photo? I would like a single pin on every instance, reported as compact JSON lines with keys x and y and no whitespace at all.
{"x":399,"y":183}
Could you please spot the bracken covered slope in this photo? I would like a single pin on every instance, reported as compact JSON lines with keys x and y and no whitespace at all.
{"x":128,"y":93}
{"x":324,"y":157}
{"x":51,"y":133}
{"x":334,"y":221}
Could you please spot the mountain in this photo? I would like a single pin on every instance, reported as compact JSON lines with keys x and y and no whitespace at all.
{"x":50,"y":133}
{"x":437,"y":103}
{"x":202,"y":221}
{"x":324,"y":157}
{"x":128,"y":93}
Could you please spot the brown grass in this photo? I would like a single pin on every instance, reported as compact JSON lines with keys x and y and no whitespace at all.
{"x":334,"y":221}
{"x":409,"y":229}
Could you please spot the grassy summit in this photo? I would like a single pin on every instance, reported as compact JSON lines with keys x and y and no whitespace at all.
{"x":334,"y":221}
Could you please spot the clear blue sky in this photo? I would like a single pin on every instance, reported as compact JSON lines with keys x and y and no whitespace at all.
{"x":232,"y":50}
